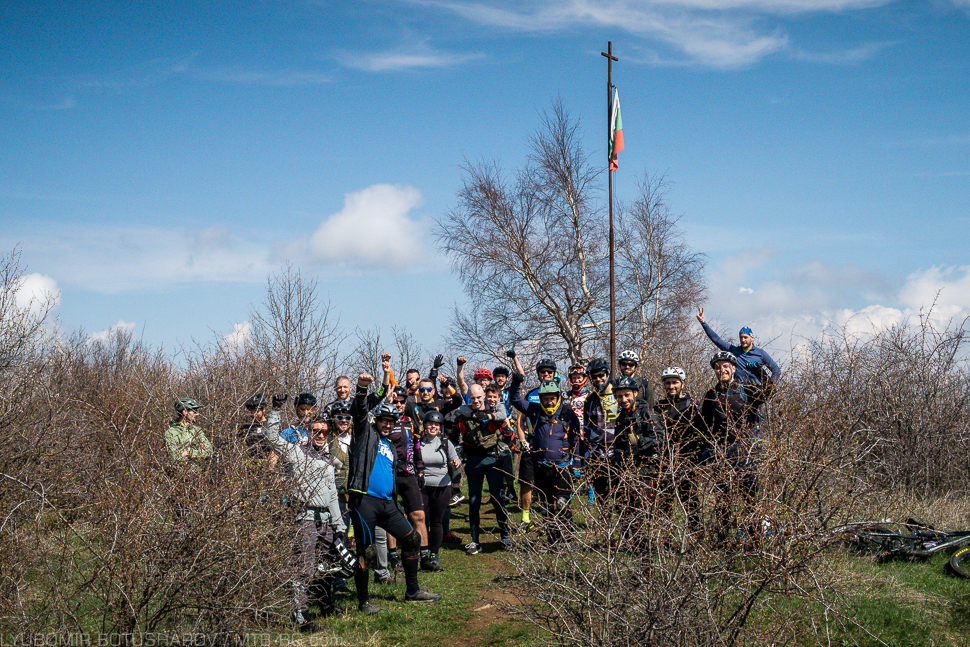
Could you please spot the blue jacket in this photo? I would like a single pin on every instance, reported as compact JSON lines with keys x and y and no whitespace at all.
{"x":747,"y":360}
{"x":551,"y":438}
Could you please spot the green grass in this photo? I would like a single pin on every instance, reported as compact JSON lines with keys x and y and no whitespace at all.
{"x":451,"y":622}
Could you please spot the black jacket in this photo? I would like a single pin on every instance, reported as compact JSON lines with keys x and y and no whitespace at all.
{"x":363,"y":447}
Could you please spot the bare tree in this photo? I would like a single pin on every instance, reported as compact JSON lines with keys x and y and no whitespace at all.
{"x":406,"y":352}
{"x":297,"y":332}
{"x":532,"y":252}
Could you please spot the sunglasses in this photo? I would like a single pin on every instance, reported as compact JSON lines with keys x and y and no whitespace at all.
{"x":628,"y":364}
{"x":598,"y":375}
{"x":425,"y":389}
{"x":341,"y":418}
{"x":400,"y":402}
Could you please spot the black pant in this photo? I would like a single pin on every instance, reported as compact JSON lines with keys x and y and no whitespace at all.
{"x":366,"y":512}
{"x":435,"y":507}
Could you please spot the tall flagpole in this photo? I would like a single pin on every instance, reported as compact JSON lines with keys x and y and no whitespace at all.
{"x":609,"y":135}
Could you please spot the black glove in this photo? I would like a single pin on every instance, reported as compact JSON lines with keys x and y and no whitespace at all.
{"x":421,"y":480}
{"x":439,"y":361}
{"x":510,"y":354}
{"x":480,"y":416}
{"x":518,"y":378}
{"x":461,"y":361}
{"x":279,"y":399}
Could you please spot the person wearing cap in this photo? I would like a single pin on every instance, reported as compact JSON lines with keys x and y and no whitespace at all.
{"x":551,"y":444}
{"x":185,"y":440}
{"x":730,"y":415}
{"x":750,"y":358}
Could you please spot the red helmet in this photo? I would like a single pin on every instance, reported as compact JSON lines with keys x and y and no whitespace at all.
{"x":483,"y":372}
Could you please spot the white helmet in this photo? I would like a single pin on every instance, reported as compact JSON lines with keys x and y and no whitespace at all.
{"x":674,"y":371}
{"x":630,"y":355}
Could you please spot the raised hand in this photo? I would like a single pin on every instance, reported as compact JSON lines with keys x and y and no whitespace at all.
{"x":700,"y":314}
{"x":365,"y":379}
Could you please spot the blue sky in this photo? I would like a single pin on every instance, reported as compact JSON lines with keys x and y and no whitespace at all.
{"x":159,"y":160}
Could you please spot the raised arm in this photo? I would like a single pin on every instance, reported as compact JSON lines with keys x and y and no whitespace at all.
{"x":460,"y":377}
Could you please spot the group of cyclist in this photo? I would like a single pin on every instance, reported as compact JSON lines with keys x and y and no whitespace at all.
{"x":388,"y":459}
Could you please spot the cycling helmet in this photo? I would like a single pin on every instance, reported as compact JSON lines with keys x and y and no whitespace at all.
{"x":723,"y":356}
{"x":577,"y":368}
{"x":483,"y":373}
{"x":341,"y":407}
{"x":547,"y":364}
{"x":500,"y":370}
{"x":256,"y":402}
{"x":598,"y":365}
{"x":305,"y":398}
{"x":400,"y":392}
{"x":549,"y":387}
{"x":629,"y":355}
{"x":674,"y":371}
{"x":625,"y":382}
{"x":187,"y":403}
{"x":386,"y":410}
{"x":434,"y":416}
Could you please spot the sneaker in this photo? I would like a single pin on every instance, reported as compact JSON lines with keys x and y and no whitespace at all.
{"x":368,"y":609}
{"x":422,"y":596}
{"x":432,"y":564}
{"x":506,"y":542}
{"x":451,"y":538}
{"x":524,"y":528}
{"x":382,"y":577}
{"x":456,"y":498}
{"x":472,"y":548}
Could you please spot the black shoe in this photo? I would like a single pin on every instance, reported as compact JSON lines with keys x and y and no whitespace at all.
{"x":429,"y":563}
{"x":368,"y":609}
{"x":422,"y":596}
{"x":303,"y":624}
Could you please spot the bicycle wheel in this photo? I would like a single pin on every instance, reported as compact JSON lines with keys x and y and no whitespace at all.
{"x":960,"y":562}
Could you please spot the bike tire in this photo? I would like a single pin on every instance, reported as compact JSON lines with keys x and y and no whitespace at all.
{"x":960,"y":562}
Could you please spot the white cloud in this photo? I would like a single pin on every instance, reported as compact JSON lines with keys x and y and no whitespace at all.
{"x":802,"y":301}
{"x":104,"y":336}
{"x":725,"y":34}
{"x":241,"y":334}
{"x":374,"y":230}
{"x":110,"y":259}
{"x":35,"y":291}
{"x":409,"y":57}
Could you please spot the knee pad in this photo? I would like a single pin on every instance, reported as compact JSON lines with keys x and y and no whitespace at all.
{"x":411,"y":544}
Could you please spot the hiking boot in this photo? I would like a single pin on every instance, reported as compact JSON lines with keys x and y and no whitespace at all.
{"x":456,"y":498}
{"x":473,"y":548}
{"x":368,"y":609}
{"x":422,"y":596}
{"x":303,"y":624}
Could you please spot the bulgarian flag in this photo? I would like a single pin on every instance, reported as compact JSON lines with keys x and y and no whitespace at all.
{"x":616,"y":131}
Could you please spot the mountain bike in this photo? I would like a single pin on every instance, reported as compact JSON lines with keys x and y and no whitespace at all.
{"x":910,"y":540}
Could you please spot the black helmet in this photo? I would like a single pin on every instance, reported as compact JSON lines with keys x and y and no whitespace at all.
{"x":723,"y":356}
{"x":187,"y":403}
{"x":500,"y":370}
{"x":400,"y":392}
{"x":386,"y":410}
{"x":625,"y":382}
{"x":339,"y":407}
{"x":258,"y":401}
{"x":546,"y":363}
{"x":305,"y":398}
{"x":434,"y":416}
{"x":598,"y":365}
